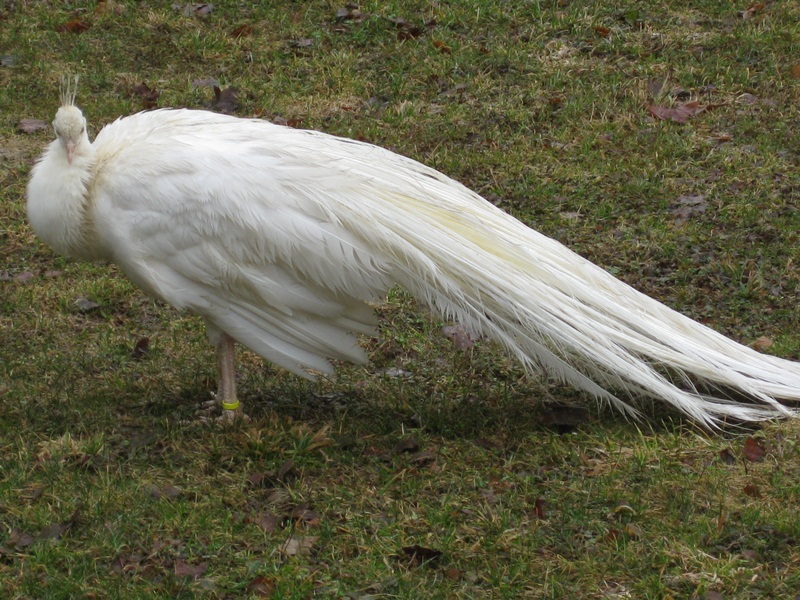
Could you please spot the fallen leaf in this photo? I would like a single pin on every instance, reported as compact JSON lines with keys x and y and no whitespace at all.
{"x":538,"y":508}
{"x":633,"y":531}
{"x":747,"y":98}
{"x":86,"y":305}
{"x":442,"y":47}
{"x":241,"y":31}
{"x":409,"y":444}
{"x":148,"y":96}
{"x":680,"y":113}
{"x":419,"y":555}
{"x":261,"y":587}
{"x":24,"y":276}
{"x":299,"y":545}
{"x":73,"y":26}
{"x":423,"y":458}
{"x":19,"y":540}
{"x":302,"y":514}
{"x":141,"y":348}
{"x":31,"y":125}
{"x":794,"y":71}
{"x":267,"y":521}
{"x":752,"y":491}
{"x":713,"y":595}
{"x":752,"y":10}
{"x":602,"y":31}
{"x":762,"y":343}
{"x":225,"y":100}
{"x":753,"y":451}
{"x":287,"y":470}
{"x":351,"y":12}
{"x":727,"y":457}
{"x":462,"y":339}
{"x":183,"y":569}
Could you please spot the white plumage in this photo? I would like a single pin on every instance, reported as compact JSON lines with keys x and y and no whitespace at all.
{"x":280,"y":239}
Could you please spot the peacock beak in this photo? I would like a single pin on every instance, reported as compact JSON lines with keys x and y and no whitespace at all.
{"x":70,"y":151}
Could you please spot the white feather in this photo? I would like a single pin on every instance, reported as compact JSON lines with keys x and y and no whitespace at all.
{"x":281,"y":238}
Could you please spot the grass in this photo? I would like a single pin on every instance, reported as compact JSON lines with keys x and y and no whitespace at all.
{"x":109,"y":489}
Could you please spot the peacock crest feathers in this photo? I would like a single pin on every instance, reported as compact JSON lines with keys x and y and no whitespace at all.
{"x":68,"y":89}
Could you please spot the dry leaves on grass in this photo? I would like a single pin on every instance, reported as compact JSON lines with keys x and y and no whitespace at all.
{"x":680,"y":113}
{"x":73,"y":26}
{"x":687,"y":206}
{"x":31,"y":125}
{"x":753,"y":450}
{"x":299,"y":545}
{"x":226,"y":101}
{"x":146,"y":94}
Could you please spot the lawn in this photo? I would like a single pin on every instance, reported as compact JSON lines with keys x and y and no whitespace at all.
{"x":660,"y":140}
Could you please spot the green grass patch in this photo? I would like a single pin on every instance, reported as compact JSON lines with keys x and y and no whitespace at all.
{"x":432,"y":472}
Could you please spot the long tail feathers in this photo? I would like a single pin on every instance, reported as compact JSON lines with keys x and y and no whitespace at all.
{"x":556,"y":311}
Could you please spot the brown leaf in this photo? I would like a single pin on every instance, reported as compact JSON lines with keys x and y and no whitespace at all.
{"x":602,"y":31}
{"x":753,"y":451}
{"x":752,"y":10}
{"x":713,"y":595}
{"x":31,"y":125}
{"x":257,"y":480}
{"x":442,"y":47}
{"x":183,"y":569}
{"x":727,"y":456}
{"x":752,"y":491}
{"x":73,"y":26}
{"x":241,"y":31}
{"x":302,"y":514}
{"x":679,"y":114}
{"x":538,"y":508}
{"x":19,"y":540}
{"x":261,"y":587}
{"x":423,"y":458}
{"x":410,"y":444}
{"x":462,"y":339}
{"x":419,"y":555}
{"x":148,"y":96}
{"x":762,"y":343}
{"x":267,"y":521}
{"x":794,"y":71}
{"x":299,"y":545}
{"x":141,"y":348}
{"x":226,"y":100}
{"x":24,"y":276}
{"x":287,"y":470}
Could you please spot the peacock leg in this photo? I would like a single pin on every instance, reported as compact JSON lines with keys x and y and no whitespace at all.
{"x":226,"y":375}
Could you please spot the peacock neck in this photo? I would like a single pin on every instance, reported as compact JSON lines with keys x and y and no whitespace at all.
{"x":59,"y":202}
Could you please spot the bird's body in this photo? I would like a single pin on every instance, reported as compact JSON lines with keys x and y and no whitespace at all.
{"x":281,"y":239}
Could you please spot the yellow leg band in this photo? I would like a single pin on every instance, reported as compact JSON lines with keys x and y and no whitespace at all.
{"x":230,"y":405}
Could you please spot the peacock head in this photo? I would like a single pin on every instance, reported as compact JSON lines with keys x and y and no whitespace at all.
{"x":69,"y":124}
